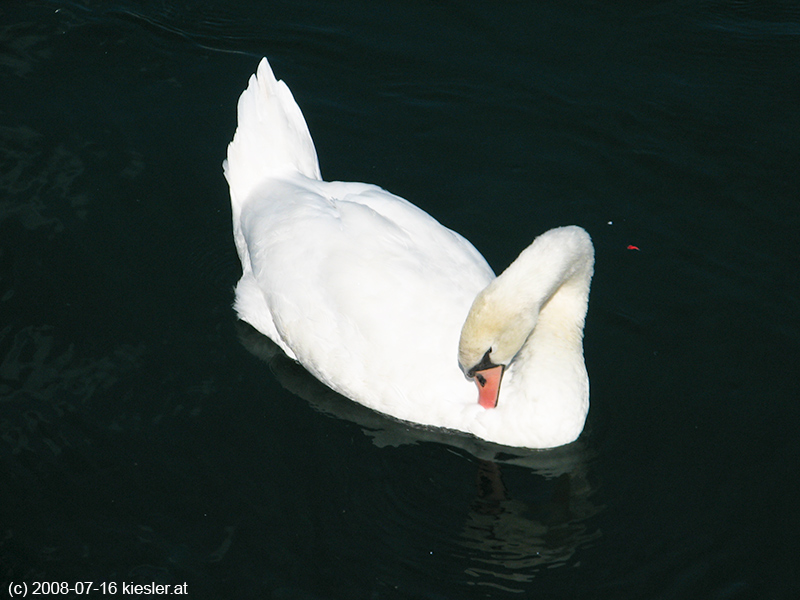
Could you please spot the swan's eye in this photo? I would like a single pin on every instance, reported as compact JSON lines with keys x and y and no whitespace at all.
{"x":486,"y":363}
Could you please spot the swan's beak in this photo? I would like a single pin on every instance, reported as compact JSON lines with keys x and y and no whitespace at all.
{"x":488,"y":382}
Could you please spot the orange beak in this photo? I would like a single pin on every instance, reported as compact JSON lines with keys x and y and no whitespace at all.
{"x":488,"y":382}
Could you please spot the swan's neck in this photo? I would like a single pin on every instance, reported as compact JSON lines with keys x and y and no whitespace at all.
{"x":549,"y":367}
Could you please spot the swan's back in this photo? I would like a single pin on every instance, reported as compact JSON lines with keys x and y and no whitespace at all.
{"x":356,"y":295}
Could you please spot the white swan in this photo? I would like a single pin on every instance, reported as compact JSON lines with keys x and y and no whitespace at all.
{"x":391,"y":309}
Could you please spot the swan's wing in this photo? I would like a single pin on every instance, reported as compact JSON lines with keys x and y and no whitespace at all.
{"x":362,"y":286}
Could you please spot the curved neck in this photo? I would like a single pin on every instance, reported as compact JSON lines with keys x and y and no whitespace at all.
{"x":547,"y":376}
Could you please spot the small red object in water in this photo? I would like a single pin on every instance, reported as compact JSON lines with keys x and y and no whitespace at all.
{"x":633,"y":247}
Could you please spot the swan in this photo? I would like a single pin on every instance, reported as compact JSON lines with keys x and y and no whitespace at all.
{"x":391,"y":309}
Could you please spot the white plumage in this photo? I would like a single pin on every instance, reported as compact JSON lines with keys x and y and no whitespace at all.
{"x":370,"y":293}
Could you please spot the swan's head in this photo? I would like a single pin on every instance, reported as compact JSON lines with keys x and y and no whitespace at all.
{"x":495,"y":330}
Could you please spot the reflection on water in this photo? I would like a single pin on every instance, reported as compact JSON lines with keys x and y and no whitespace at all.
{"x":508,"y":534}
{"x":514,"y":538}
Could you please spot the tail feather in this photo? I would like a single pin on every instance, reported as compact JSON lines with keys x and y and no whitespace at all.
{"x":271,"y":138}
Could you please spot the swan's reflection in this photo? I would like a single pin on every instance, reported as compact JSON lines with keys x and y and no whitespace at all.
{"x":506,"y":538}
{"x":513,"y":539}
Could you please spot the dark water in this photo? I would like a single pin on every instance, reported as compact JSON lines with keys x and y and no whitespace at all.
{"x":143,"y":441}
